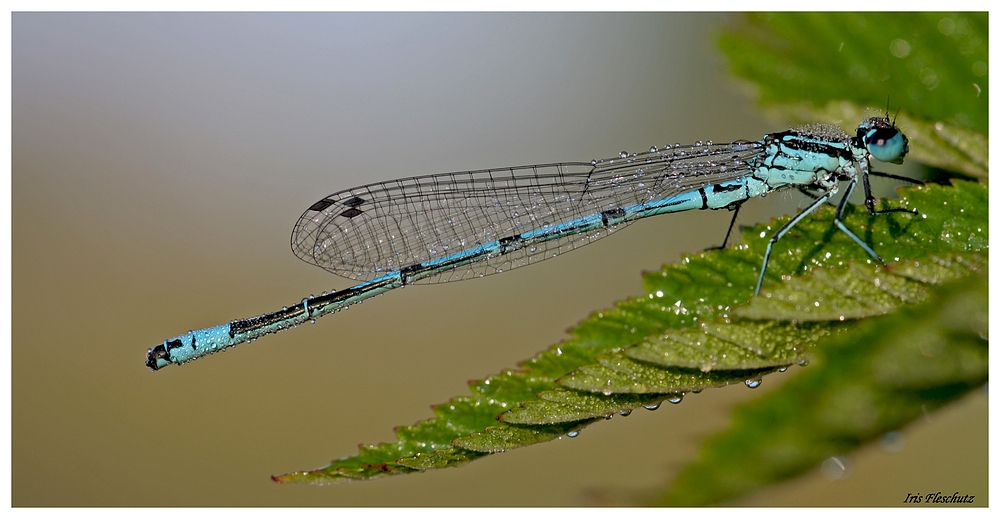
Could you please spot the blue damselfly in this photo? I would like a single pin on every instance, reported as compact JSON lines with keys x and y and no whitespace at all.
{"x":455,"y":226}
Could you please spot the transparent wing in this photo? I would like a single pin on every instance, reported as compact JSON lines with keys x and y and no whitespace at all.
{"x":366,"y":231}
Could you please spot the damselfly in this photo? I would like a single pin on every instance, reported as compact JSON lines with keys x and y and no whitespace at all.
{"x":454,"y":226}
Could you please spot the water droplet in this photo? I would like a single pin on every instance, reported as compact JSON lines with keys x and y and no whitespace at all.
{"x":652,"y":149}
{"x":676,"y":399}
{"x":893,"y":441}
{"x":753,"y":383}
{"x":573,"y":434}
{"x":625,"y":412}
{"x":593,"y":162}
{"x":652,"y":407}
{"x":834,"y":468}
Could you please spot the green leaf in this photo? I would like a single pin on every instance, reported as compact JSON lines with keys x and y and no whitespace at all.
{"x":720,"y":352}
{"x":690,"y":311}
{"x":740,"y":345}
{"x":832,"y":67}
{"x":857,"y":291}
{"x":911,"y":362}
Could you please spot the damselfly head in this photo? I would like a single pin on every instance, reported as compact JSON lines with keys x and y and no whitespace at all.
{"x":883,"y":140}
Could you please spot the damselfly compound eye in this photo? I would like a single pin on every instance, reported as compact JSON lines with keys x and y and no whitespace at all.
{"x":887,"y":144}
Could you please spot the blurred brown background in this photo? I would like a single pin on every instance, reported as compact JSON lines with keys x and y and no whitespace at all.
{"x":160,"y":161}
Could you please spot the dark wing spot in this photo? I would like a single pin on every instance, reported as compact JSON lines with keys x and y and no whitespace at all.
{"x":351,"y":213}
{"x":322,"y":204}
{"x":354,"y":202}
